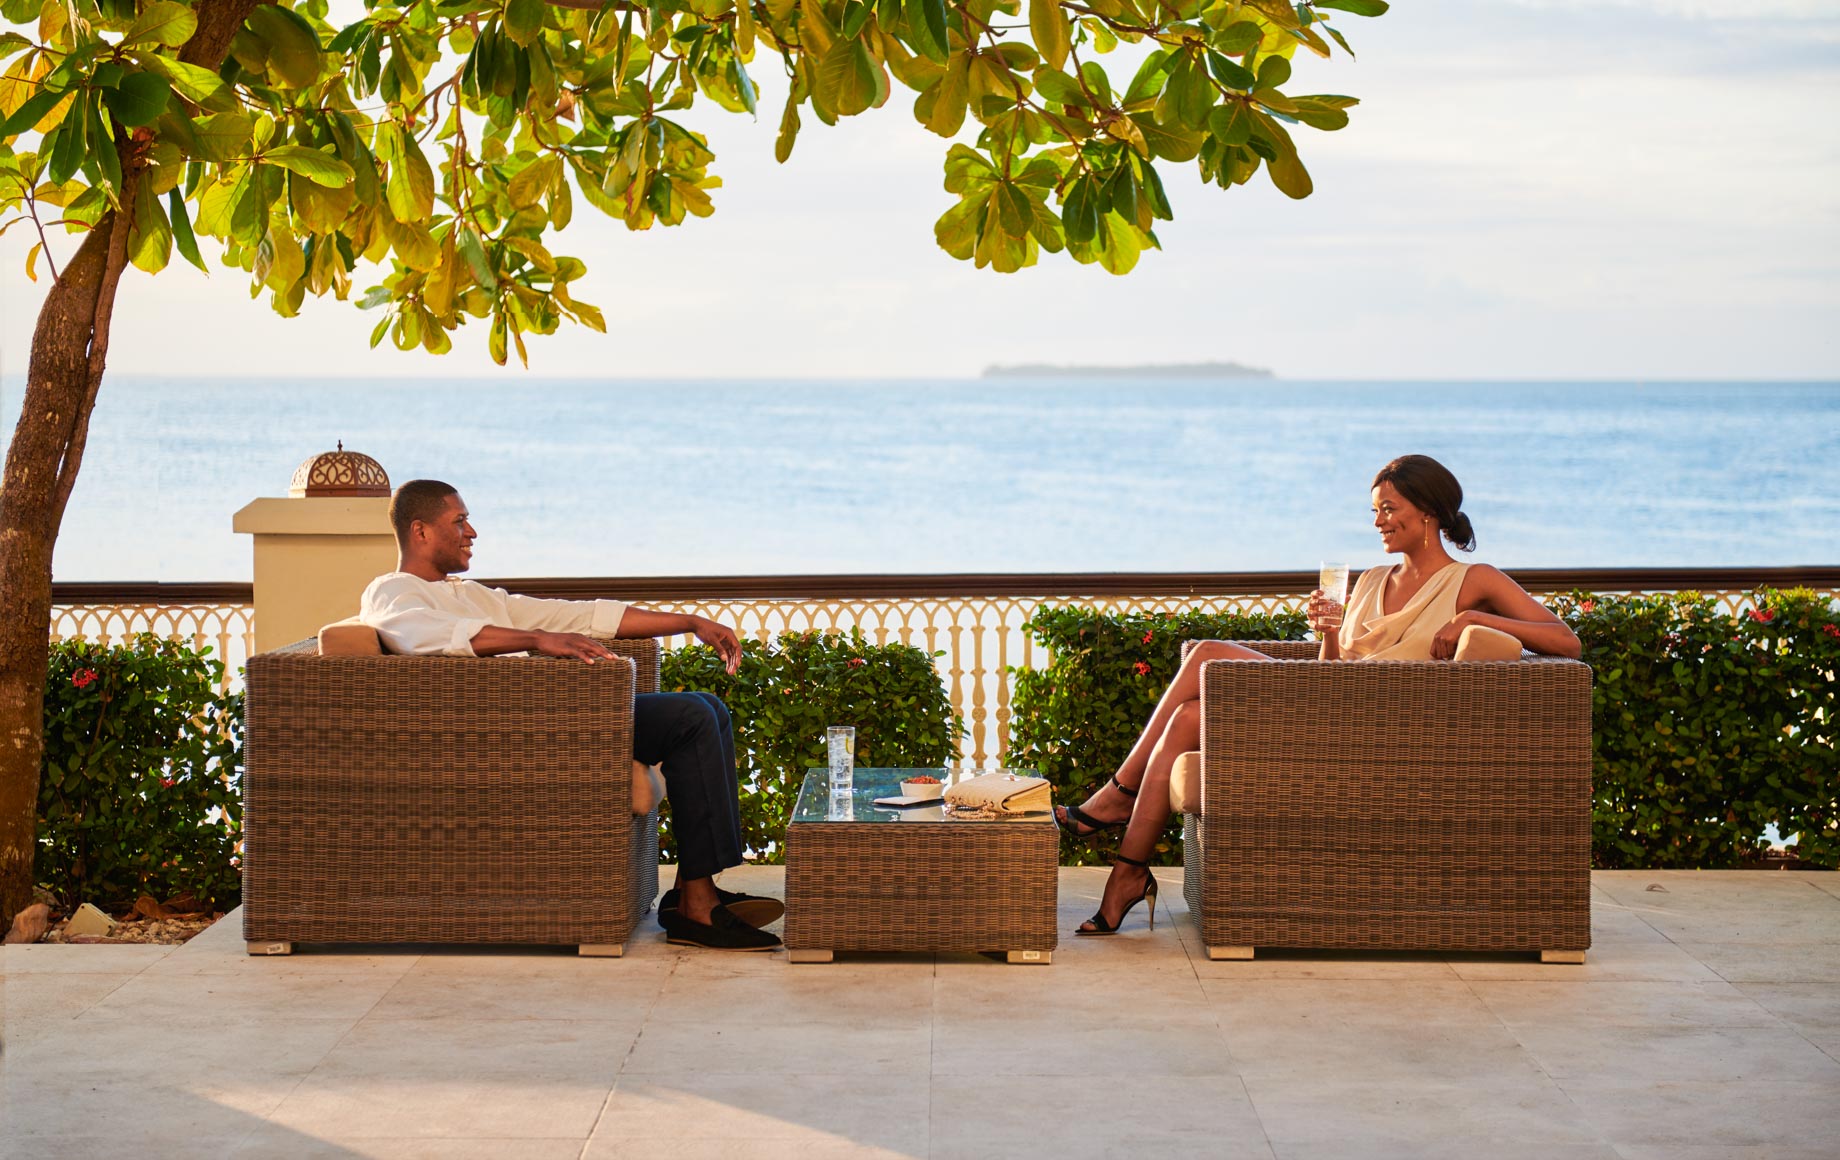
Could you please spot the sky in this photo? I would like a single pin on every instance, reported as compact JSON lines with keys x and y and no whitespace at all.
{"x":1530,"y":189}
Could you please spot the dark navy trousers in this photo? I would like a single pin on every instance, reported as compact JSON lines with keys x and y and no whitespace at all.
{"x":691,"y":737}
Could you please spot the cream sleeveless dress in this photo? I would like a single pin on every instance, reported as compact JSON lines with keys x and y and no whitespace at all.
{"x":1369,"y":634}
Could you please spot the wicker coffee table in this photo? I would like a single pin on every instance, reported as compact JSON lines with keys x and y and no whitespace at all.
{"x":913,"y":879}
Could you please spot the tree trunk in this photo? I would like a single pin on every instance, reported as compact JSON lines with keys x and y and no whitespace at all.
{"x":41,"y":466}
{"x":69,"y":349}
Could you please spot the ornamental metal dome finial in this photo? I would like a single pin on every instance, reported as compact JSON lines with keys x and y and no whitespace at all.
{"x":339,"y":473}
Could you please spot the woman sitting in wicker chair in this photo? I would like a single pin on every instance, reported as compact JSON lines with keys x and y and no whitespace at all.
{"x":1427,"y":608}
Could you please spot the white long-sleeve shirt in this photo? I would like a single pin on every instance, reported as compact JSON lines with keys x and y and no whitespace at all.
{"x":441,"y":617}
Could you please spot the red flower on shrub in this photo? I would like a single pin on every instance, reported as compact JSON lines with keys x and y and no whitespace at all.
{"x":1143,"y":670}
{"x":1149,"y":635}
{"x":1831,"y":629}
{"x":83,"y":677}
{"x":1763,"y":615}
{"x":168,"y":782}
{"x":857,"y":662}
{"x":1587,"y":606}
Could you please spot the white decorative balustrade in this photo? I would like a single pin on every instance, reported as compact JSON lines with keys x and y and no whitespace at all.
{"x":975,"y":622}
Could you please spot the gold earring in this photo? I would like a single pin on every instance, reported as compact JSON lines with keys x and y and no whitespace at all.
{"x":1424,"y":541}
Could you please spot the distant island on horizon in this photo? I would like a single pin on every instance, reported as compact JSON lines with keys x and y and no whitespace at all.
{"x":1206,"y":370}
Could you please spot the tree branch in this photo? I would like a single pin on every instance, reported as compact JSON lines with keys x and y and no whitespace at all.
{"x":44,"y":245}
{"x":218,"y":23}
{"x":113,"y":265}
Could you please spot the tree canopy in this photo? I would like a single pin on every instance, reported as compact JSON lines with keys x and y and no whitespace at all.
{"x":445,"y":141}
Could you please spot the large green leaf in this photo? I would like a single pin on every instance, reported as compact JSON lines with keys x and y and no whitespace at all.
{"x":150,"y":239}
{"x":221,"y":137}
{"x":32,"y":112}
{"x":1358,"y":7}
{"x":201,"y":86}
{"x":1174,"y":141}
{"x":1317,"y":114}
{"x":475,"y":254}
{"x":162,"y":22}
{"x":788,"y":130}
{"x":850,"y":81}
{"x":68,"y":150}
{"x":104,"y":161}
{"x":1286,"y":168}
{"x":524,"y":19}
{"x":1230,"y":73}
{"x":319,"y":168}
{"x":138,"y":100}
{"x":1049,"y":26}
{"x":926,"y":24}
{"x":1013,"y":210}
{"x":1058,"y":87}
{"x":411,"y":187}
{"x":182,"y":230}
{"x":528,"y":186}
{"x":1236,"y":38}
{"x":1231,"y":123}
{"x":293,"y":46}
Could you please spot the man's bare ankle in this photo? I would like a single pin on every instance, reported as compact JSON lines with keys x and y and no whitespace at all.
{"x":696,"y":897}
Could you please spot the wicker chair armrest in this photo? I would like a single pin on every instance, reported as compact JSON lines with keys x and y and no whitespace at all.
{"x":644,"y":652}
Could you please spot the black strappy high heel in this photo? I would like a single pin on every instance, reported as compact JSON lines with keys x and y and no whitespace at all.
{"x":1093,"y":825}
{"x":1100,"y":926}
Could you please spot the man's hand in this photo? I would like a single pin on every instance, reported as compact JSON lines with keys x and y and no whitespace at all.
{"x":570,"y":644}
{"x":719,"y":637}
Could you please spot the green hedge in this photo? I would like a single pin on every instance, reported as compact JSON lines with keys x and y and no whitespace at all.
{"x":783,"y":698}
{"x":139,"y":789}
{"x":1076,"y":719}
{"x":1708,"y":727}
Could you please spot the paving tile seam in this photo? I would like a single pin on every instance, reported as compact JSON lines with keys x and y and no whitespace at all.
{"x":932,"y":1051}
{"x":645,"y":1020}
{"x":1531,"y":1056}
{"x":932,"y":1056}
{"x":1660,"y":986}
{"x":327,"y":1054}
{"x":1824,"y":1049}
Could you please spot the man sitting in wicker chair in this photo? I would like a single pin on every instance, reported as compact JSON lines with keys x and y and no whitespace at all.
{"x":424,"y":608}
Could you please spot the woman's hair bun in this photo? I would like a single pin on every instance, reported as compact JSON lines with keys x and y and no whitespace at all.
{"x":1460,"y":534}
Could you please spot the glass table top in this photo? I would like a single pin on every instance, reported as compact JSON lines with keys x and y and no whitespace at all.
{"x":814,"y":804}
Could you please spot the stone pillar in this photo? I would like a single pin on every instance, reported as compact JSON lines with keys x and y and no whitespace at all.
{"x":317,"y":549}
{"x":313,"y":558}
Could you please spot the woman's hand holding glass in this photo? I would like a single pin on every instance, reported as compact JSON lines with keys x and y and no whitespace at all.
{"x":1327,"y":601}
{"x":1324,"y":614}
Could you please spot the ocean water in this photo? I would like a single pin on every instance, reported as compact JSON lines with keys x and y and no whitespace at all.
{"x":617,"y":478}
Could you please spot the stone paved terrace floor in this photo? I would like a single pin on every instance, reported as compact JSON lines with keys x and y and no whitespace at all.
{"x":1706,"y":1026}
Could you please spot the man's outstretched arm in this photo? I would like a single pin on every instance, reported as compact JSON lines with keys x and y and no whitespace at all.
{"x":640,"y":622}
{"x":636,"y":623}
{"x":495,"y":640}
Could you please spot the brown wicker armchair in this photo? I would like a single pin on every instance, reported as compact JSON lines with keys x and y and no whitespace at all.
{"x":444,"y":799}
{"x":1400,"y":805}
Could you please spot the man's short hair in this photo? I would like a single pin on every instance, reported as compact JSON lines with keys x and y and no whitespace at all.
{"x":419,"y":499}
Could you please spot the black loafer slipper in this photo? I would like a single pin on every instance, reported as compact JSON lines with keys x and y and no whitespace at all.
{"x":749,"y":908}
{"x":723,"y":932}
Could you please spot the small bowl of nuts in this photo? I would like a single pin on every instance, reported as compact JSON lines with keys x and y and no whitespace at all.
{"x":922,"y":786}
